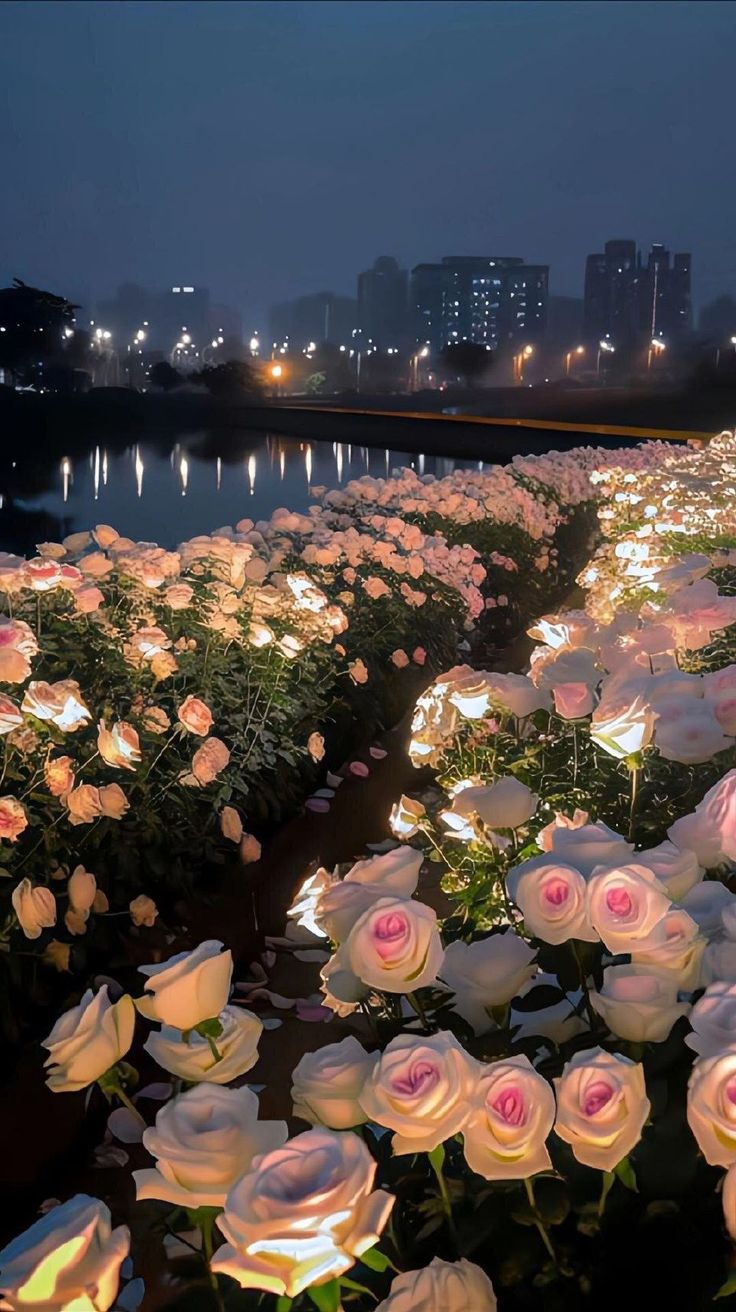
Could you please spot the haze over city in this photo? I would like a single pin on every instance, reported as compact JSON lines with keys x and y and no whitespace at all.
{"x":268,"y":151}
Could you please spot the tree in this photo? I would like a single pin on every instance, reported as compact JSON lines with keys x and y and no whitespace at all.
{"x":34,"y":325}
{"x":164,"y":376}
{"x":467,"y":360}
{"x":233,"y":378}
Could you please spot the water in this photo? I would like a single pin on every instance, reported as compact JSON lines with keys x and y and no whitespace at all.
{"x":166,"y":489}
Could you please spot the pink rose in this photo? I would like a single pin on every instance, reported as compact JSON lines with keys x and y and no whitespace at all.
{"x":421,"y":1088}
{"x":316,"y":746}
{"x":573,"y":701}
{"x":10,"y":715}
{"x":120,"y":745}
{"x":35,"y":907}
{"x":13,"y":819}
{"x":113,"y":802}
{"x":399,"y":658}
{"x":231,"y":826}
{"x":710,"y":830}
{"x":59,"y":775}
{"x":195,"y":715}
{"x":512,"y":1111}
{"x":625,"y":904}
{"x":88,"y":599}
{"x":601,"y":1107}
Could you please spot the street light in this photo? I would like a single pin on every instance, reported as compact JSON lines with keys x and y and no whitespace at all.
{"x":276,"y":371}
{"x":578,"y":350}
{"x":656,"y":347}
{"x":603,"y":345}
{"x":518,"y":362}
{"x":417,"y":356}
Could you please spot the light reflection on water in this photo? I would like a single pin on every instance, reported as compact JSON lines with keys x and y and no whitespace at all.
{"x":164,"y":491}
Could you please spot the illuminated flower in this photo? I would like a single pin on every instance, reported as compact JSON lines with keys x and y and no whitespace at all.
{"x":35,"y":908}
{"x":88,"y":1040}
{"x":601,"y":1107}
{"x":59,"y":775}
{"x":119,"y":746}
{"x":195,"y":715}
{"x":303,"y":1216}
{"x":512,"y":1112}
{"x":10,"y":715}
{"x":60,"y":703}
{"x":69,"y":1258}
{"x":193,"y":1060}
{"x":204,"y":1141}
{"x":113,"y":802}
{"x":326,"y":1084}
{"x":421,"y":1089}
{"x":231,"y":826}
{"x":143,"y":910}
{"x":13,"y":819}
{"x":441,"y":1287}
{"x":188,"y":988}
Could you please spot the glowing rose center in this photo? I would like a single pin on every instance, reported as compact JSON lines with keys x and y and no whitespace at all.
{"x":619,"y":902}
{"x":509,"y":1105}
{"x":596,"y":1096}
{"x":556,"y":892}
{"x":390,"y":933}
{"x":731,"y":1090}
{"x":419,"y":1078}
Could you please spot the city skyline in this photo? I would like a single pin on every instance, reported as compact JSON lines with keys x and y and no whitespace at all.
{"x":462,"y":136}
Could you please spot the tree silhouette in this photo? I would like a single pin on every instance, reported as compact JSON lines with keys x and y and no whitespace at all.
{"x":164,"y":376}
{"x":468,"y":360}
{"x":33,"y":324}
{"x":230,"y":379}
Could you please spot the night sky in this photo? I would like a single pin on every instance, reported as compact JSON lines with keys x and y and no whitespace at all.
{"x":270,"y":149}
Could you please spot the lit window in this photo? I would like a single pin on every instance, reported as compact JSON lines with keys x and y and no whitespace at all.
{"x":176,"y":289}
{"x":187,"y":289}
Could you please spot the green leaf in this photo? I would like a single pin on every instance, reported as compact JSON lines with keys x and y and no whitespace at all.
{"x":209,"y":1029}
{"x":728,"y":1288}
{"x":624,"y":1172}
{"x":375,"y":1260}
{"x":284,"y":1303}
{"x":437,"y":1159}
{"x":326,"y":1298}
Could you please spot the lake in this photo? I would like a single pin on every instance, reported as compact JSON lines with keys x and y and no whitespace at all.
{"x":167,"y":488}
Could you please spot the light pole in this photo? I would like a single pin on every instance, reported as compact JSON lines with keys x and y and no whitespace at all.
{"x":656,"y":347}
{"x":518,"y":363}
{"x":603,"y":345}
{"x":417,"y":356}
{"x":578,"y":350}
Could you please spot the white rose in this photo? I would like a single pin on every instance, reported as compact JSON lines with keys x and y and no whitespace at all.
{"x":406,"y":817}
{"x":719,"y":961}
{"x":487,"y":973}
{"x":306,"y":900}
{"x":623,"y":730}
{"x":711,"y":1107}
{"x":70,"y":1258}
{"x":552,"y":899}
{"x":588,"y":846}
{"x":706,"y":903}
{"x":192,"y":1059}
{"x":35,"y":907}
{"x":204,"y":1141}
{"x":88,"y":1040}
{"x":675,"y":945}
{"x":421,"y":1088}
{"x":511,"y":1116}
{"x":188,"y":988}
{"x":625,"y":904}
{"x":713,"y":1020}
{"x":441,"y":1287}
{"x":639,"y":1003}
{"x":505,"y":804}
{"x":394,"y":872}
{"x":326,"y":1084}
{"x":676,"y":869}
{"x":710,"y":830}
{"x":601,"y":1107}
{"x":394,"y":946}
{"x":303,"y":1215}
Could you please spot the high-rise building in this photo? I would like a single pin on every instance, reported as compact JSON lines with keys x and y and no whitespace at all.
{"x":163,"y":315}
{"x":320,"y":317}
{"x":629,"y":303}
{"x":495,"y":301}
{"x":383,"y":303}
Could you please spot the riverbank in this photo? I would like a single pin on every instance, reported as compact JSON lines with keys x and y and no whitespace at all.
{"x":421,"y":423}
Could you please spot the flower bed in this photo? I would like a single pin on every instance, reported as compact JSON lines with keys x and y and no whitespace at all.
{"x":521,"y":1097}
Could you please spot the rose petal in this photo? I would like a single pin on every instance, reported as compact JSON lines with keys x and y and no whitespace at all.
{"x":377,"y":753}
{"x":317,"y":804}
{"x":359,"y":768}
